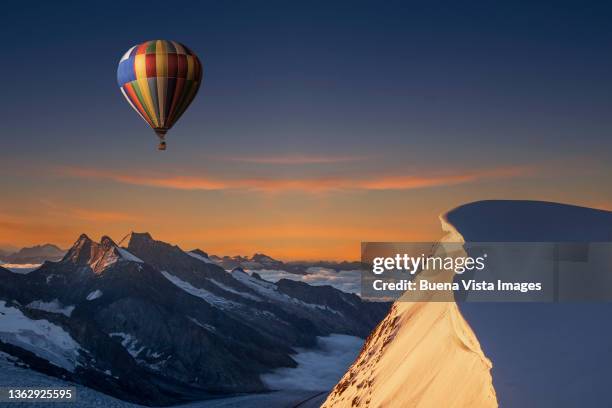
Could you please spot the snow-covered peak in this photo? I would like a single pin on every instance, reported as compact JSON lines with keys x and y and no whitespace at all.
{"x":98,"y":256}
{"x":110,"y":256}
{"x":427,"y":354}
{"x":201,"y":256}
{"x":80,"y":252}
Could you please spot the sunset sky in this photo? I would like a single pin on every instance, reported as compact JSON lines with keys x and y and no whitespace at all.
{"x":318,"y":125}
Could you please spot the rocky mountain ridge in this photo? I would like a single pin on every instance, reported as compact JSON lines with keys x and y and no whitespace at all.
{"x":153,"y":324}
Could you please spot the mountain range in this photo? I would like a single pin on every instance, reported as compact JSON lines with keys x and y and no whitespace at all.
{"x":265,"y":262}
{"x":49,"y":252}
{"x":33,"y":255}
{"x":153,"y":324}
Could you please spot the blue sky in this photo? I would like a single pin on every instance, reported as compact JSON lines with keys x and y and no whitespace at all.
{"x":309,"y":90}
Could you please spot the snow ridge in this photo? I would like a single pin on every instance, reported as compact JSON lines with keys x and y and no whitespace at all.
{"x":422,"y":354}
{"x":53,"y":306}
{"x":41,"y":337}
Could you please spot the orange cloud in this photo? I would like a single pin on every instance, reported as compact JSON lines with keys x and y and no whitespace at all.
{"x":21,"y":230}
{"x":85,"y":214}
{"x":310,"y":185}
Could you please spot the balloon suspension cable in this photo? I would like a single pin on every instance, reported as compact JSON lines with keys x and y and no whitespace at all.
{"x":161,"y":134}
{"x":124,"y":238}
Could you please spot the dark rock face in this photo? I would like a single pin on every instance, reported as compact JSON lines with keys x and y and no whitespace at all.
{"x":200,"y":253}
{"x":174,"y":260}
{"x":156,"y":325}
{"x":359,"y":315}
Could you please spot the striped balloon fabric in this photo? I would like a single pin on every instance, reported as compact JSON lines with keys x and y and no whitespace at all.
{"x":159,"y":79}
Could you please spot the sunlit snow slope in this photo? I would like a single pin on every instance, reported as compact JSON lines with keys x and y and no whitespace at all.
{"x":423,"y":354}
{"x":543,"y":355}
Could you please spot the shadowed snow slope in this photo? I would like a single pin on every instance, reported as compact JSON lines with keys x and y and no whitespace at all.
{"x":318,"y":368}
{"x":544,"y":355}
{"x":530,"y":221}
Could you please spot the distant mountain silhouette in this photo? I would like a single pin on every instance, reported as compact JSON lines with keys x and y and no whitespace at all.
{"x":265,"y":262}
{"x":34,"y":255}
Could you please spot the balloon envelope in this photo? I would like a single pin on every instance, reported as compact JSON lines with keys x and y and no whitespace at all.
{"x":159,"y":79}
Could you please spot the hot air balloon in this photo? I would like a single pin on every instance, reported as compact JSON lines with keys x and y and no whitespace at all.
{"x":159,"y":79}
